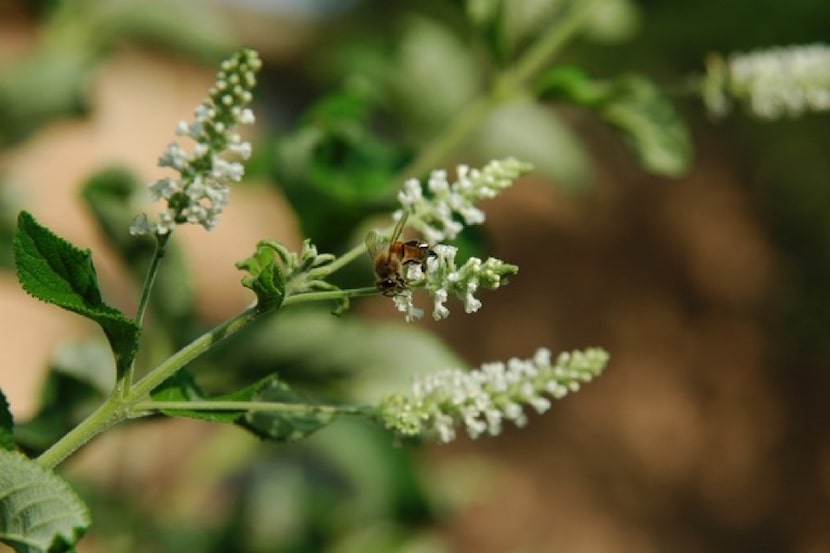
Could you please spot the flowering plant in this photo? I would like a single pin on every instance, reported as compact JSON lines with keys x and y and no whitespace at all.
{"x":44,"y":514}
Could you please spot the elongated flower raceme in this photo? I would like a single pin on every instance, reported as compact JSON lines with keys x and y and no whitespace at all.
{"x":200,"y":192}
{"x":770,"y":83}
{"x":481,"y":400}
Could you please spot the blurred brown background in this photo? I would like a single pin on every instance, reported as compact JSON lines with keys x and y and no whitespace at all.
{"x":708,"y":432}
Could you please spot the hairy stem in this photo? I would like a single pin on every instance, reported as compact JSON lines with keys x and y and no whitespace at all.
{"x":263,"y":406}
{"x":125,"y":382}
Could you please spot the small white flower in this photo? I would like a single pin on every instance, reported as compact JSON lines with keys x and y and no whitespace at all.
{"x":434,"y":215}
{"x":403,"y":303}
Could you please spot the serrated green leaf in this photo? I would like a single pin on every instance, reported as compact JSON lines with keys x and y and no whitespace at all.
{"x":287,"y":426}
{"x":265,"y":276}
{"x":39,"y":512}
{"x":6,"y":424}
{"x":54,"y":271}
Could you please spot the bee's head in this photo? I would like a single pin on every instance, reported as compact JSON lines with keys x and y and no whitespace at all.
{"x":389,"y":286}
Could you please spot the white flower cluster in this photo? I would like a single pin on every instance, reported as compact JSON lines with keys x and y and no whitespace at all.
{"x":443,"y":279}
{"x":433,"y":214}
{"x":200,"y":192}
{"x":482,"y":399}
{"x":771,"y":83}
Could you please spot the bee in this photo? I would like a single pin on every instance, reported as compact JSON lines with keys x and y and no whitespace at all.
{"x":391,"y":257}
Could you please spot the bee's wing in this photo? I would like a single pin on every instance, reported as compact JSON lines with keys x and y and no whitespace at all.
{"x":396,"y":232}
{"x":375,"y":243}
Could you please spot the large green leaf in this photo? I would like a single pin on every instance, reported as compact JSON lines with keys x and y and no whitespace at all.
{"x":39,"y":512}
{"x":6,"y":424}
{"x":53,"y":270}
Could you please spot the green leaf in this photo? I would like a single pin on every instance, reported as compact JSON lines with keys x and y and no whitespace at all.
{"x":535,"y":133}
{"x":652,"y":127}
{"x":183,"y":387}
{"x":6,"y":424}
{"x":335,"y":169}
{"x":112,"y":196}
{"x":343,"y":357}
{"x":288,"y":426}
{"x":53,"y":270}
{"x":265,"y":276}
{"x":39,"y":512}
{"x":282,"y":426}
{"x":634,"y":106}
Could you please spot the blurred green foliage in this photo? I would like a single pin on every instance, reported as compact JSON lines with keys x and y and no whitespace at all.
{"x":353,"y":112}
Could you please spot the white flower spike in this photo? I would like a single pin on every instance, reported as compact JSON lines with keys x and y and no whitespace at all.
{"x":771,"y":83}
{"x":200,"y":192}
{"x":481,"y":400}
{"x":433,"y":214}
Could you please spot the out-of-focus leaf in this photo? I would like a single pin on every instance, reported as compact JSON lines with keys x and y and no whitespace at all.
{"x":81,"y":376}
{"x":535,"y":134}
{"x":183,"y":387}
{"x":39,"y":512}
{"x":49,"y":83}
{"x":111,"y":194}
{"x":634,"y":106}
{"x":6,"y":424}
{"x":208,"y":33}
{"x":652,"y":127}
{"x":612,"y":21}
{"x":355,"y":360}
{"x":53,"y":270}
{"x":282,"y":426}
{"x":333,"y":168}
{"x":432,"y":76}
{"x":287,"y":426}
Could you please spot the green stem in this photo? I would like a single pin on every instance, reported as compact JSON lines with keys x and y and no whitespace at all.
{"x":119,"y":406}
{"x":262,"y":406}
{"x":126,"y":381}
{"x":327,"y":295}
{"x":540,"y":54}
{"x":191,"y":351}
{"x":108,"y":414}
{"x":343,"y":260}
